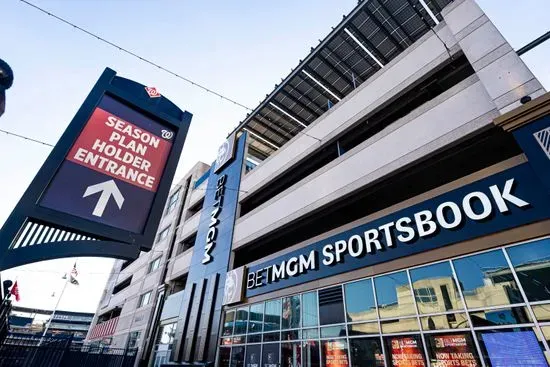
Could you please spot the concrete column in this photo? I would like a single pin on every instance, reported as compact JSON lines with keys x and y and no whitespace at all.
{"x":502,"y":72}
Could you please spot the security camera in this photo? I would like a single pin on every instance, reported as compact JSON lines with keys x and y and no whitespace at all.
{"x":525,"y":99}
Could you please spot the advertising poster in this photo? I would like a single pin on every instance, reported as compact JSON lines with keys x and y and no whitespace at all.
{"x":406,"y":352}
{"x":253,"y":355}
{"x":518,"y":348}
{"x":270,"y":355}
{"x":452,"y":350}
{"x":335,"y":353}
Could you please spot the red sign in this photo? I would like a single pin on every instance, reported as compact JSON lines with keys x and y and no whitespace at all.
{"x":405,"y":352}
{"x":336,"y":353}
{"x":453,"y":350}
{"x":122,"y":150}
{"x":152,"y":92}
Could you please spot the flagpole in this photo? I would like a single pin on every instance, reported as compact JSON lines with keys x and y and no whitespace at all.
{"x":55,"y":308}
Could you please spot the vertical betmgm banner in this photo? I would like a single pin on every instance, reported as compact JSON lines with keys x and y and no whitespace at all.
{"x":102,"y":189}
{"x":200,"y":312}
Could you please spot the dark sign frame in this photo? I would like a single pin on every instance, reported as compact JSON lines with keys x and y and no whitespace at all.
{"x":99,"y":239}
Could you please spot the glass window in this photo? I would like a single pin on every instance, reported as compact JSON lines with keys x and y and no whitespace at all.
{"x":457,"y":349}
{"x":145,"y":299}
{"x":334,"y":352}
{"x":333,"y":331}
{"x":254,"y":338}
{"x":133,"y":339}
{"x":167,"y":333}
{"x":435,"y":289}
{"x":311,"y":333}
{"x":331,"y":306}
{"x":154,"y":265}
{"x":224,"y":358}
{"x":291,"y":312}
{"x":256,"y":318}
{"x":270,"y":355}
{"x":228,"y":323}
{"x":310,"y":354}
{"x":486,"y":280}
{"x":310,"y":316}
{"x":542,"y":312}
{"x":253,"y":355}
{"x":502,"y":316}
{"x":237,"y":356}
{"x":364,"y":328}
{"x":512,"y":347}
{"x":241,"y":320}
{"x":366,"y":352}
{"x":448,"y":321}
{"x":404,"y":351}
{"x":291,"y":335}
{"x":399,"y":325}
{"x":394,"y":295}
{"x":272,"y":320}
{"x":546,"y":332}
{"x":238,"y":339}
{"x":272,"y":337}
{"x":172,"y":201}
{"x":360,"y":301}
{"x":532,"y":264}
{"x":291,"y":354}
{"x":163,"y":234}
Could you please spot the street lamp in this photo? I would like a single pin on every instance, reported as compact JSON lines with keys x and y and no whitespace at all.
{"x":6,"y":80}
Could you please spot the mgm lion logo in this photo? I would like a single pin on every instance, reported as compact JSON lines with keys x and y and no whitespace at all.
{"x":230,"y":289}
{"x":223,"y":153}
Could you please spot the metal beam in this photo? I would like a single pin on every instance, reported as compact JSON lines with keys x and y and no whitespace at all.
{"x":390,"y":15}
{"x":531,"y":45}
{"x":287,"y":114}
{"x":319,"y":81}
{"x":282,"y":135}
{"x":262,"y":139}
{"x":363,"y":47}
{"x":261,"y":117}
{"x":304,"y":96}
{"x":368,"y":43}
{"x":334,"y":69}
{"x":418,"y":13}
{"x":315,"y":87}
{"x":341,"y":60}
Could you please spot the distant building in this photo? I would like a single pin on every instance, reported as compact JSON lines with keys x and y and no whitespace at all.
{"x":64,"y":323}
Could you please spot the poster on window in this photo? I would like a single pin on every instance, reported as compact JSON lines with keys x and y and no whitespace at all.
{"x":405,"y":352}
{"x":453,"y":350}
{"x":253,"y":355}
{"x":518,"y":348}
{"x":270,"y":355}
{"x":335,"y":353}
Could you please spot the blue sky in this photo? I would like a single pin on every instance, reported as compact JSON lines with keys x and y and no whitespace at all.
{"x":239,"y":48}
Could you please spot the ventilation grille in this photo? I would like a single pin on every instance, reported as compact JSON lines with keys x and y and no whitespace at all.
{"x":330,"y":295}
{"x":34,"y":233}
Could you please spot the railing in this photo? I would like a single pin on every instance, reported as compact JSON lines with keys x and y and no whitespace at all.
{"x":19,"y":350}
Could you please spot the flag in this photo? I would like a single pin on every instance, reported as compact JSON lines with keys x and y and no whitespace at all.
{"x":73,"y":275}
{"x":15,"y":291}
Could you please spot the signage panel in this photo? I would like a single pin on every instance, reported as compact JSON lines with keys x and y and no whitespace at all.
{"x":406,"y":352}
{"x":452,"y":350}
{"x":112,"y":172}
{"x":504,"y":200}
{"x":513,"y":348}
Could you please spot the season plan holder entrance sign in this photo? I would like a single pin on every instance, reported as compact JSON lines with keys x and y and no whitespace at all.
{"x":102,"y":190}
{"x":112,"y":172}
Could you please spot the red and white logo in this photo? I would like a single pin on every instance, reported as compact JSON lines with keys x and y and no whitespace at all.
{"x":152,"y":92}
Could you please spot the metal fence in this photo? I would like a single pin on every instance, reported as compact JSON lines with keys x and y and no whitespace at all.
{"x":28,"y":351}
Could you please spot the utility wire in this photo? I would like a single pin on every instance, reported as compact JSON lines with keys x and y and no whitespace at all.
{"x":26,"y":138}
{"x":131,"y":53}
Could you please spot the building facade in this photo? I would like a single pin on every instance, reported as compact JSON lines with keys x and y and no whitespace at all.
{"x":387,"y":204}
{"x":126,"y":310}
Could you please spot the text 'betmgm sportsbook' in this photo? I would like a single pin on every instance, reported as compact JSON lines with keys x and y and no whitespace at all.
{"x":495,"y":203}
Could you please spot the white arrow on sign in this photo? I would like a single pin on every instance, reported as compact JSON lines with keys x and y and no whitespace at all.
{"x":107,"y":189}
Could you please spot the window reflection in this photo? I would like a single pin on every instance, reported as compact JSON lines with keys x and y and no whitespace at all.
{"x":366,"y":352}
{"x":399,"y":325}
{"x":241,"y":320}
{"x":272,"y":320}
{"x":449,"y":321}
{"x":256,"y":318}
{"x":394,"y":295}
{"x":310,"y":354}
{"x":291,"y":312}
{"x":333,"y":331}
{"x":364,"y":328}
{"x":310,"y":315}
{"x":291,"y":354}
{"x":501,"y":316}
{"x":237,"y":357}
{"x":228,"y":323}
{"x":486,"y":280}
{"x":360,"y":301}
{"x":331,"y":306}
{"x":532,"y":264}
{"x":225,"y":354}
{"x":434,"y":288}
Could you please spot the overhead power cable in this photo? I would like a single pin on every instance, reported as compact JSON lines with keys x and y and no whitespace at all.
{"x":26,"y":138}
{"x":131,"y":53}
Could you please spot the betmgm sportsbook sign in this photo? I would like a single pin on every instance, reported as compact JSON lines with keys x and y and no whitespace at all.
{"x":102,"y":190}
{"x":507,"y":199}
